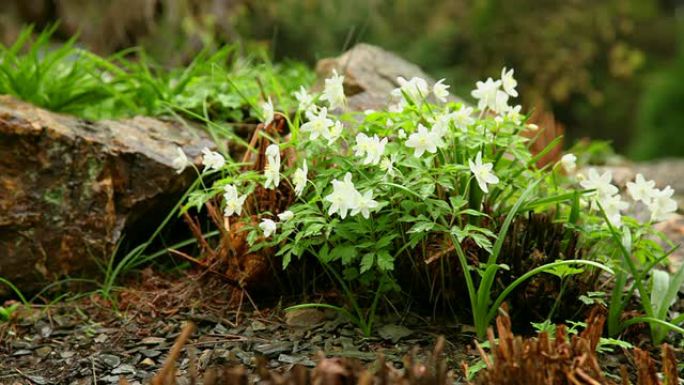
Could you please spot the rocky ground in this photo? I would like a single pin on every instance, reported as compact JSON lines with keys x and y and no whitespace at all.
{"x":87,"y":341}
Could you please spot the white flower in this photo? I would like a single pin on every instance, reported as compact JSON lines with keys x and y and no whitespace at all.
{"x":272,"y":168}
{"x":662,"y":205}
{"x":304,"y":98}
{"x":463,"y":118}
{"x":500,"y":103}
{"x":335,"y":132}
{"x":509,"y":83}
{"x":401,"y":134}
{"x":299,"y":179}
{"x":268,"y":227}
{"x":641,"y":189}
{"x":365,"y":204}
{"x":180,"y":162}
{"x":441,"y":91}
{"x":513,"y":114}
{"x":212,"y":160}
{"x":334,"y":91}
{"x":415,"y":89}
{"x":387,"y":164}
{"x":612,"y":206}
{"x":485,"y":93}
{"x":268,"y":111}
{"x":318,"y":125}
{"x":397,"y":107}
{"x":422,"y":141}
{"x":440,"y":126}
{"x":569,"y":163}
{"x":600,"y":183}
{"x":273,"y":152}
{"x":233,"y":202}
{"x":286,"y":216}
{"x":482,"y":172}
{"x":344,"y":197}
{"x":370,"y":147}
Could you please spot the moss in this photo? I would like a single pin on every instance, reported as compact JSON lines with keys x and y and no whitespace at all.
{"x":54,"y":196}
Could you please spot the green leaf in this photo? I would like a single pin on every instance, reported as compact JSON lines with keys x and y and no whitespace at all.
{"x":367,"y":262}
{"x":385,"y":261}
{"x":562,"y":271}
{"x":346,"y":253}
{"x":482,"y":241}
{"x":421,"y":227}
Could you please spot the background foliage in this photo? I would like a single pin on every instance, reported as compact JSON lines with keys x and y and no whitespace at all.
{"x":606,"y":69}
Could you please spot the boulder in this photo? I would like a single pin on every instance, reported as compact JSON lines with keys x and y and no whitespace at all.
{"x":70,"y":188}
{"x":370,"y":73}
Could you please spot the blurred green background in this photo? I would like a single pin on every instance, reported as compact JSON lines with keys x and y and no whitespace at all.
{"x":607,"y":69}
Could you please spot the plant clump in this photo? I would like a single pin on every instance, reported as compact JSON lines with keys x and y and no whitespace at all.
{"x":429,"y":195}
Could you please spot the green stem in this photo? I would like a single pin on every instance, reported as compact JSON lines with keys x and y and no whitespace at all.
{"x":499,"y":300}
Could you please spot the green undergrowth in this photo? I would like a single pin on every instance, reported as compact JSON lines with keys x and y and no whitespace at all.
{"x":221,"y":85}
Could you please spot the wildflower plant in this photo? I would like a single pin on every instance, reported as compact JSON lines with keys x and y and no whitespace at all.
{"x":371,"y":196}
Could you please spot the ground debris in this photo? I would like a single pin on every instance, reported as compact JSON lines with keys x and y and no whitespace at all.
{"x":543,"y":360}
{"x":328,"y":371}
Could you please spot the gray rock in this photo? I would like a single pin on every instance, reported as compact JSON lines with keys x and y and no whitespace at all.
{"x":70,"y":188}
{"x":394,"y":333}
{"x":110,"y":360}
{"x":150,"y":353}
{"x":124,"y":369}
{"x":304,"y":318}
{"x":370,"y":73}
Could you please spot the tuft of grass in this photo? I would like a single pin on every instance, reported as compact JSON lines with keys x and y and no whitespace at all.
{"x":222,"y":85}
{"x":62,"y":78}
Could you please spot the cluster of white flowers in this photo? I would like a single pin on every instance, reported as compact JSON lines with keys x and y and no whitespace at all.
{"x":371,"y":147}
{"x":659,"y":202}
{"x":415,"y":90}
{"x":269,"y":226}
{"x":345,"y":197}
{"x":605,"y":194}
{"x":490,"y":95}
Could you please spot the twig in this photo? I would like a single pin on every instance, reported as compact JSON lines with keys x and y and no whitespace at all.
{"x":169,"y":364}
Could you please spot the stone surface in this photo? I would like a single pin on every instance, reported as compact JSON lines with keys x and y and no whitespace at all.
{"x":370,"y":73}
{"x":69,"y":188}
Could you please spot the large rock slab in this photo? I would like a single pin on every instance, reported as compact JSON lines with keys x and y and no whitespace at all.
{"x":69,"y":188}
{"x":370,"y":73}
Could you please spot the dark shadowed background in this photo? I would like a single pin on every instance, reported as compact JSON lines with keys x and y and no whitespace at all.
{"x":609,"y":69}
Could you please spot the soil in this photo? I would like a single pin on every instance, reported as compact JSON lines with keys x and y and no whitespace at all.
{"x":90,"y":340}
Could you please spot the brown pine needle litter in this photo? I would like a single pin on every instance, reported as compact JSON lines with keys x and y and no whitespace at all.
{"x":513,"y":360}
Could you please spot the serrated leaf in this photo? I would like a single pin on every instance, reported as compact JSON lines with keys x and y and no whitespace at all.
{"x":421,"y":227}
{"x":367,"y":262}
{"x":345,"y":253}
{"x":385,"y":261}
